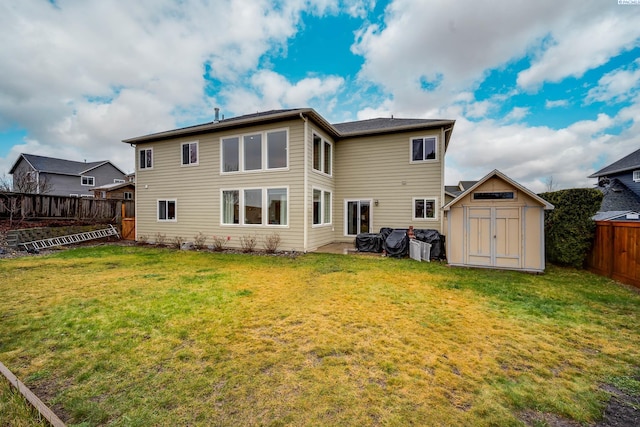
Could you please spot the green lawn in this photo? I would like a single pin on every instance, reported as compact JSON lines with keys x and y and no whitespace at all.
{"x":132,"y":336}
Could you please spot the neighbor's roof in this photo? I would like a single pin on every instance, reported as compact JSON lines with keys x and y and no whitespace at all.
{"x":496,"y":172}
{"x":59,"y":166}
{"x":114,"y":186}
{"x":632,"y":161}
{"x":337,"y":131}
{"x":611,"y":215}
{"x":618,"y":197}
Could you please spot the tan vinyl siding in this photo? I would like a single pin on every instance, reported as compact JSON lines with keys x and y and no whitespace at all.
{"x":379,"y":168}
{"x":320,"y":234}
{"x":197,"y":188}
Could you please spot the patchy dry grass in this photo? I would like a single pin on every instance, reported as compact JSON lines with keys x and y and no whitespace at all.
{"x":141,"y":336}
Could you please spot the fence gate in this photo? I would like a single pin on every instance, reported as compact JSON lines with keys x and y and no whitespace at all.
{"x":128,"y":225}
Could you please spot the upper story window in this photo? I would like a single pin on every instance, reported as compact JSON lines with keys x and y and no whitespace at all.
{"x":145,"y":158}
{"x":128,"y":195}
{"x":255,"y":152}
{"x":424,"y":148}
{"x":87,"y":180}
{"x":322,"y":154}
{"x":190,"y":153}
{"x":636,"y":176}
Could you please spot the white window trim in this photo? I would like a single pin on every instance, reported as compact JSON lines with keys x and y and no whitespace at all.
{"x":322,"y":210}
{"x":437,"y":147}
{"x":118,"y":181}
{"x":636,"y":176}
{"x":130,"y":193}
{"x":264,"y":152}
{"x":435,"y":208}
{"x":93,"y":180}
{"x":323,"y":141}
{"x":189,"y":164}
{"x":265,"y":207}
{"x":175,"y":201}
{"x":146,"y":168}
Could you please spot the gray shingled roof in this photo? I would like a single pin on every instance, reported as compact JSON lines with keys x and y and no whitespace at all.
{"x":618,"y":197}
{"x":337,"y":130}
{"x":381,"y":124}
{"x":630,"y":162}
{"x":58,"y":166}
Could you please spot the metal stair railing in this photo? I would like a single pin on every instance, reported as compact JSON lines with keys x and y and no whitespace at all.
{"x":36,"y":245}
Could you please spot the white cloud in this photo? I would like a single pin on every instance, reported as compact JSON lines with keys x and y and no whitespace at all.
{"x":548,"y":104}
{"x":618,"y":85}
{"x":89,"y":74}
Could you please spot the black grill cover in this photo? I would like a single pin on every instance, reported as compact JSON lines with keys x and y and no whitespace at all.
{"x":397,"y":244}
{"x":369,"y":242}
{"x":435,"y":239}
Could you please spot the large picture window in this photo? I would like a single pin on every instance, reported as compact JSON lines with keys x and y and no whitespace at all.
{"x":255,"y":206}
{"x":321,"y":207}
{"x":423,"y":148}
{"x":231,"y":207}
{"x":277,"y":149}
{"x":231,"y":154}
{"x":254,"y":152}
{"x":322,"y":154}
{"x":190,"y":153}
{"x":145,"y":158}
{"x":424,"y":208}
{"x":277,"y":205}
{"x":166,"y":210}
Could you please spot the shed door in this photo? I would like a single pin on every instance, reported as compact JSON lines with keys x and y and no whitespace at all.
{"x":494,"y":237}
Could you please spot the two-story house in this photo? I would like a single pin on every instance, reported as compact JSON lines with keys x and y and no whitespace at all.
{"x":292,"y":173}
{"x":48,"y":175}
{"x":620,"y":184}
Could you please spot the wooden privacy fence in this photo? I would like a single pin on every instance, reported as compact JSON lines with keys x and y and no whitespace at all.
{"x":20,"y":206}
{"x":616,"y":251}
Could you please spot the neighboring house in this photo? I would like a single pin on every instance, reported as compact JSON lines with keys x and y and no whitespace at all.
{"x":39,"y":174}
{"x":117,"y":191}
{"x":292,"y":173}
{"x":453,"y":191}
{"x":496,"y":223}
{"x":620,"y":184}
{"x":617,"y":216}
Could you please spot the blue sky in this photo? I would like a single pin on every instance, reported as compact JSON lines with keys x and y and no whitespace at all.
{"x":539,"y":90}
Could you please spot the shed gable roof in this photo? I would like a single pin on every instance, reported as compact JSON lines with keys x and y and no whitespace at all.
{"x":497,"y":173}
{"x":629,"y":162}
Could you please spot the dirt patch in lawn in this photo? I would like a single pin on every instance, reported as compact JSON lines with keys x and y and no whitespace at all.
{"x":623,"y":410}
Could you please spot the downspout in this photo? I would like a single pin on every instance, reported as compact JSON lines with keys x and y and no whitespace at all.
{"x":443,"y":134}
{"x":305,"y":207}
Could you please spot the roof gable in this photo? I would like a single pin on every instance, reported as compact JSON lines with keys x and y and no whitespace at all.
{"x":629,"y":162}
{"x":500,"y":175}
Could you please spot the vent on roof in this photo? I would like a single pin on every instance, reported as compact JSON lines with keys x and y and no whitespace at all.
{"x":216,"y":117}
